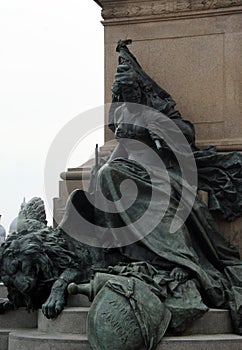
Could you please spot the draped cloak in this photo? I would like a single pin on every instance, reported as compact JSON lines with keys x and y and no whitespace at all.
{"x":197,"y":246}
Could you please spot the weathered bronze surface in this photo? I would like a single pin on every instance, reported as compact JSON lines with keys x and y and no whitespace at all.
{"x":183,"y":272}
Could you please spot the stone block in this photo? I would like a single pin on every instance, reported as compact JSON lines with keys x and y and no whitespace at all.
{"x":192,"y":50}
{"x":72,"y":320}
{"x":202,"y":342}
{"x":29,"y":340}
{"x":20,"y":318}
{"x":215,"y":321}
{"x":4,"y":339}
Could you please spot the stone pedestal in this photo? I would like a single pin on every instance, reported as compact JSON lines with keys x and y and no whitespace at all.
{"x":192,"y":49}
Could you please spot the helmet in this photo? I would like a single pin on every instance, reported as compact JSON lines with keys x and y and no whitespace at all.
{"x":126,"y":315}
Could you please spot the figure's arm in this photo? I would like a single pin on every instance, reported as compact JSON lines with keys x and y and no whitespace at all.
{"x":57,"y":298}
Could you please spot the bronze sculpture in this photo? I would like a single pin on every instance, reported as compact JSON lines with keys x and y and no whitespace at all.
{"x":189,"y":269}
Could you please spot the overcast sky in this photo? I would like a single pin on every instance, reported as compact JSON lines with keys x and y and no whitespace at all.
{"x":51,"y":69}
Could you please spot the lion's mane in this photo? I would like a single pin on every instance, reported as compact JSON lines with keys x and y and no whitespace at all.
{"x":46,"y":254}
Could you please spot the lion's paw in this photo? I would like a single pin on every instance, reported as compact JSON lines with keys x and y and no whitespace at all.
{"x":53,"y":306}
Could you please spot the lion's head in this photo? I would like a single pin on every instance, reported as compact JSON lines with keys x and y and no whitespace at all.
{"x":32,"y":259}
{"x":31,"y":262}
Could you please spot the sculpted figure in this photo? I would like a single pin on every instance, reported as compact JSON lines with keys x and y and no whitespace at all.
{"x":37,"y":263}
{"x":143,"y":236}
{"x":193,"y":266}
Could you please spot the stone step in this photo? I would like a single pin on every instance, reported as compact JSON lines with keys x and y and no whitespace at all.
{"x":213,"y":322}
{"x":33,"y":340}
{"x":202,"y":342}
{"x":29,"y":340}
{"x":73,"y":320}
{"x":4,"y":333}
{"x":20,"y":318}
{"x":16,"y":319}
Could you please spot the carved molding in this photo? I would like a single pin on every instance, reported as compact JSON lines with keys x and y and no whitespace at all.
{"x":127,"y":9}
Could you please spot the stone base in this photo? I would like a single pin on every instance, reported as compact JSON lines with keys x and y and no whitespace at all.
{"x":4,"y":334}
{"x":35,"y":340}
{"x":212,"y":331}
{"x":68,"y":331}
{"x":26,"y":340}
